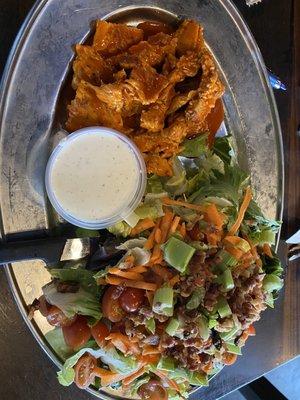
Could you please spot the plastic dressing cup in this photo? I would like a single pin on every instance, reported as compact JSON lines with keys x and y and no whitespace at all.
{"x":96,"y":177}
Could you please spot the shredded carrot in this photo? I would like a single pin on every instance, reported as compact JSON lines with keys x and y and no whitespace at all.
{"x":150,"y":241}
{"x":174,"y":280}
{"x":267,"y":250}
{"x":156,"y":254}
{"x":150,"y":350}
{"x":141,"y":226}
{"x":101,"y":281}
{"x":174,"y":225}
{"x":165,"y":225}
{"x":172,"y":384}
{"x":170,"y":202}
{"x":235,"y":252}
{"x":123,"y":343}
{"x":138,"y":269}
{"x":245,"y":204}
{"x":157,"y":235}
{"x":251,"y":331}
{"x":128,"y":274}
{"x":149,"y":359}
{"x":214,"y":216}
{"x":107,"y":377}
{"x":150,"y":296}
{"x":129,"y":379}
{"x":208,"y":367}
{"x":213,"y":238}
{"x":115,"y":280}
{"x":182,"y":230}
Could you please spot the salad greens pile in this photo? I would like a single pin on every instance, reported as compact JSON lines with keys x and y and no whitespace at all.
{"x":200,"y":270}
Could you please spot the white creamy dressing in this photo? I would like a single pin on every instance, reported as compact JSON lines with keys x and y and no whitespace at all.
{"x":94,"y":176}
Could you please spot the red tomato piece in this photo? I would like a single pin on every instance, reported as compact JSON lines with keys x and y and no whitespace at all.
{"x":77,"y":334}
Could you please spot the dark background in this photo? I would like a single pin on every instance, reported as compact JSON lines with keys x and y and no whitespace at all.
{"x":26,"y":372}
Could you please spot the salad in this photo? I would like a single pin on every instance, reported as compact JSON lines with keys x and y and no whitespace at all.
{"x":160,"y":307}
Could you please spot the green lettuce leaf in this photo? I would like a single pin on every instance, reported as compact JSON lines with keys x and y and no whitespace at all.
{"x":223,"y":148}
{"x":56,"y":340}
{"x":229,"y":185}
{"x":151,"y":209}
{"x":81,"y":302}
{"x":116,"y":362}
{"x":82,"y":276}
{"x":120,"y":229}
{"x":195,"y":147}
{"x":154,"y":184}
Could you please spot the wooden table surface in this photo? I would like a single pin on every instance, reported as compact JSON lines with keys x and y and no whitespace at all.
{"x":26,"y":372}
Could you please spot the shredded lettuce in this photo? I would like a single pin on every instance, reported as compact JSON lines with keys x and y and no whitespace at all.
{"x":83,"y":276}
{"x":120,"y":229}
{"x":111,"y":357}
{"x":56,"y":340}
{"x":195,"y":147}
{"x":154,"y":184}
{"x":81,"y":302}
{"x":223,"y":148}
{"x":229,"y":186}
{"x":150,"y":209}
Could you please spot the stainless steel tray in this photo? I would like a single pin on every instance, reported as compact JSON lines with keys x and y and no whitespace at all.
{"x":31,"y":105}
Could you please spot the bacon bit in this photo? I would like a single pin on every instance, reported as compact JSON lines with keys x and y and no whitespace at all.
{"x":174,"y":280}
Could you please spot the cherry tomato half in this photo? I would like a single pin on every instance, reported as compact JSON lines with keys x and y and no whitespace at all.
{"x":111,"y":307}
{"x":84,"y":371}
{"x":77,"y":334}
{"x":56,"y":317}
{"x":153,"y":390}
{"x":99,"y":332}
{"x":132,"y":299}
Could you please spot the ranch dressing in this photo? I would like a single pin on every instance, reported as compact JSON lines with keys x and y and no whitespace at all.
{"x":95,"y":176}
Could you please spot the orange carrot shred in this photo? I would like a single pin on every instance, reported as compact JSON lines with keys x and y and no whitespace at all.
{"x":128,"y":274}
{"x":245,"y":204}
{"x":156,"y":253}
{"x":267,"y":250}
{"x":141,"y":226}
{"x":129,"y":379}
{"x":150,"y":296}
{"x":182,"y":230}
{"x":101,"y":281}
{"x":139,"y":269}
{"x":174,"y":225}
{"x":170,"y":202}
{"x":171,"y":383}
{"x":165,"y":225}
{"x":157,"y":235}
{"x":115,"y":280}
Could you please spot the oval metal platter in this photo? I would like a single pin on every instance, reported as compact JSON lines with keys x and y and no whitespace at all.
{"x":33,"y":102}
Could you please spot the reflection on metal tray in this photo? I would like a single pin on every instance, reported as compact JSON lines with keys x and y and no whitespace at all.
{"x":32,"y":112}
